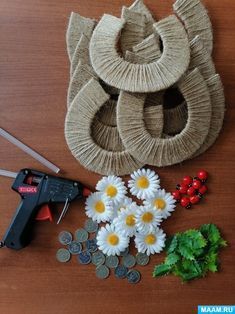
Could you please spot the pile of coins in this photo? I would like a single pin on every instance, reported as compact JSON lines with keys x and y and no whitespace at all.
{"x":85,"y":248}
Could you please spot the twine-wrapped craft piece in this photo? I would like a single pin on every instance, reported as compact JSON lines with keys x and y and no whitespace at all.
{"x":144,"y":78}
{"x":124,"y":73}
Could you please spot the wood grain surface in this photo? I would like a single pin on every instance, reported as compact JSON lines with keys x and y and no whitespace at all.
{"x":34,"y":73}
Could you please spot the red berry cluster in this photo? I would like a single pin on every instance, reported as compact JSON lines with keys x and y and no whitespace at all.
{"x":194,"y":188}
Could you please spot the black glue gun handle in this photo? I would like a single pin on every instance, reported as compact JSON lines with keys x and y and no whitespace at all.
{"x":19,"y":233}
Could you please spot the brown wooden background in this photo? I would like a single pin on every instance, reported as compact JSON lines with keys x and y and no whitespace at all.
{"x":33,"y":81}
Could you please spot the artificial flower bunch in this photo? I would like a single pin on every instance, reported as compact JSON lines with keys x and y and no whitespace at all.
{"x":124,"y":218}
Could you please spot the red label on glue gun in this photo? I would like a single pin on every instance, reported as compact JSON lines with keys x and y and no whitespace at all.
{"x":27,"y":189}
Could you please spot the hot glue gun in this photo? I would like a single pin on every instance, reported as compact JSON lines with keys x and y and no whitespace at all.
{"x":37,"y":191}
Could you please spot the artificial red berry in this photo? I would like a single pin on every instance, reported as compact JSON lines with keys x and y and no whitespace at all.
{"x":194,"y":199}
{"x":202,"y":175}
{"x":196,"y":184}
{"x":183,"y":188}
{"x":191,"y":191}
{"x":203,"y":189}
{"x":185,"y":201}
{"x":176,"y":194}
{"x":187,"y":180}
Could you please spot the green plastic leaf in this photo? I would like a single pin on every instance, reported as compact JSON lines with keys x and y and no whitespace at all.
{"x":171,"y":244}
{"x":161,"y":270}
{"x":211,"y":232}
{"x":172,"y":259}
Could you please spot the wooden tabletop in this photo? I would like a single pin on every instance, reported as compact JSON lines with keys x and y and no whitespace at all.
{"x":34,"y":73}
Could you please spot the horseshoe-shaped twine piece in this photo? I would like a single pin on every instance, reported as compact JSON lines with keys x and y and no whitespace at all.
{"x":78,"y":136}
{"x":78,"y":25}
{"x":196,"y":20}
{"x":159,"y":151}
{"x":215,"y":87}
{"x":152,"y":77}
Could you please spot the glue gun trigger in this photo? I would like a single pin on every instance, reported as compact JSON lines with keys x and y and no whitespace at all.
{"x":44,"y":214}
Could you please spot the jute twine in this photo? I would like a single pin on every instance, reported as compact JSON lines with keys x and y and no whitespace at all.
{"x":196,"y":20}
{"x":78,"y":25}
{"x":134,"y":30}
{"x":116,"y":120}
{"x":78,"y":123}
{"x":158,"y":75}
{"x":140,"y":7}
{"x":163,"y":152}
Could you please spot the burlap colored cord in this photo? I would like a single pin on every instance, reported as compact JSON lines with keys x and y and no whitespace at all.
{"x":140,"y":7}
{"x":81,"y":54}
{"x":150,"y":47}
{"x":196,"y":20}
{"x":107,"y":113}
{"x":163,"y":152}
{"x":215,"y":87}
{"x":81,"y":76}
{"x":77,"y":26}
{"x":155,"y":76}
{"x":175,"y":119}
{"x":78,"y":136}
{"x":134,"y":30}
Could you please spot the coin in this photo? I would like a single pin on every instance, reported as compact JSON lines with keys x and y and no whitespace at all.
{"x":102,"y":271}
{"x":74,"y":247}
{"x":121,"y":271}
{"x":129,"y":260}
{"x":63,"y":255}
{"x":91,"y":245}
{"x":142,"y":259}
{"x":124,"y":253}
{"x":111,"y":261}
{"x":65,"y":237}
{"x":133,"y":276}
{"x":98,"y":258}
{"x":91,"y":226}
{"x":81,"y":235}
{"x":84,"y":257}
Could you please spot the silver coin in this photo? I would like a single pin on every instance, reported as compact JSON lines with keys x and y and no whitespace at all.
{"x":98,"y":258}
{"x":102,"y":272}
{"x":129,"y":260}
{"x":91,"y":226}
{"x":111,"y":261}
{"x":75,"y":247}
{"x":121,"y":271}
{"x":65,"y":237}
{"x":84,"y":257}
{"x":63,"y":255}
{"x":142,"y":259}
{"x":91,"y":245}
{"x":133,"y":276}
{"x":124,"y":253}
{"x":81,"y":235}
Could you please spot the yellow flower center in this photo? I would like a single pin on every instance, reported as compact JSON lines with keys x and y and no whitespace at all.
{"x":130,"y":220}
{"x":99,"y":207}
{"x":150,"y":239}
{"x":147,"y":217}
{"x":142,"y":182}
{"x":111,"y":191}
{"x":160,"y":203}
{"x":113,"y":239}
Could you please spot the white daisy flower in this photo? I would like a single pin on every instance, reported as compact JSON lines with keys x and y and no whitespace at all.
{"x":125,"y":223}
{"x":110,"y":241}
{"x":126,"y":202}
{"x":144,"y":183}
{"x":147,"y":219}
{"x":113,"y":187}
{"x":99,"y":207}
{"x":150,"y":243}
{"x":162,"y":202}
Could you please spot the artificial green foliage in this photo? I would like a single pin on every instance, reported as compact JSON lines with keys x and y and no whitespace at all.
{"x":192,"y":254}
